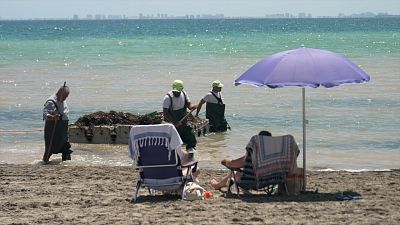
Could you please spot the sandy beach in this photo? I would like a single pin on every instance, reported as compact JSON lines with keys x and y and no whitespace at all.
{"x":65,"y":194}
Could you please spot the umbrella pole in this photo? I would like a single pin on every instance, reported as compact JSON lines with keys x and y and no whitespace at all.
{"x":304,"y":138}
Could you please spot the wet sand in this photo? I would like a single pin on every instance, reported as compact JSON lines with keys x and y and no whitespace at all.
{"x":65,"y":194}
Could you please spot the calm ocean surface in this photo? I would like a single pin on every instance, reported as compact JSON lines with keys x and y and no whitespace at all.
{"x":129,"y":65}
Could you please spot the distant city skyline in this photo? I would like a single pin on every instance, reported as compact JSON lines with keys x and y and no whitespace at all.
{"x":222,"y":16}
{"x":53,"y":9}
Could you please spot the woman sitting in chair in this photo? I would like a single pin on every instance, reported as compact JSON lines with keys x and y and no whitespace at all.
{"x":237,"y":163}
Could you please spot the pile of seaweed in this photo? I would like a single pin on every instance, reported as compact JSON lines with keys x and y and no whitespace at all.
{"x":113,"y":118}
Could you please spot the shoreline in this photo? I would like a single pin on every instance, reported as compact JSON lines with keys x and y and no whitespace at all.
{"x":69,"y":194}
{"x":106,"y":155}
{"x":58,"y":161}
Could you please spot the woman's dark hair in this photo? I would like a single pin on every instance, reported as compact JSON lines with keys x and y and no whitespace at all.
{"x":265,"y":133}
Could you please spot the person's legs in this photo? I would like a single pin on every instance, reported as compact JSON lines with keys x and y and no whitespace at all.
{"x":191,"y":140}
{"x":218,"y":126}
{"x":46,"y":154}
{"x":217,"y":185}
{"x":48,"y":135}
{"x":66,"y":153}
{"x":187,"y":158}
{"x":66,"y":156}
{"x":187,"y":136}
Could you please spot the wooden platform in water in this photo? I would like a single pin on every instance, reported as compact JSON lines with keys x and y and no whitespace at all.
{"x":118,"y":134}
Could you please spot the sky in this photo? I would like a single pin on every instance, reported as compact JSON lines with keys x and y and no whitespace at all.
{"x":30,"y":9}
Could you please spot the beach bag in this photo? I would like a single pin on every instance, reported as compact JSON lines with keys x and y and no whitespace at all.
{"x":193,"y":191}
{"x":294,"y":182}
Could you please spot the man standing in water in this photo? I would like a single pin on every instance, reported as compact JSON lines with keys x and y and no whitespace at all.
{"x":175,"y":104}
{"x":215,"y":108}
{"x":55,"y":114}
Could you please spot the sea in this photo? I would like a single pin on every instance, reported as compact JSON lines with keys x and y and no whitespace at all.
{"x":129,"y":65}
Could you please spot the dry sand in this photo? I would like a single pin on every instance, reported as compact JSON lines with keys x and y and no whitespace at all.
{"x":60,"y":194}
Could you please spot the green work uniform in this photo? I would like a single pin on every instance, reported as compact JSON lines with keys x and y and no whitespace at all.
{"x":215,"y":113}
{"x":185,"y":131}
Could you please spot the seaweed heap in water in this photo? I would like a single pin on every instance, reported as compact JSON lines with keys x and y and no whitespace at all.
{"x":118,"y":118}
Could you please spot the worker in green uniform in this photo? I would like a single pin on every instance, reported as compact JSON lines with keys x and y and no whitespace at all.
{"x":215,"y":108}
{"x":175,"y":105}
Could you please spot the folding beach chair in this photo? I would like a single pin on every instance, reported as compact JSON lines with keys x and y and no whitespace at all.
{"x":268,"y":161}
{"x":156,"y":150}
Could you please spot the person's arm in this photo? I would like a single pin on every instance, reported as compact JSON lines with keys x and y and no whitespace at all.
{"x":189,"y":103}
{"x":52,"y":117}
{"x":235,"y":163}
{"x":191,"y":106}
{"x":168,"y":117}
{"x":65,"y":114}
{"x":50,"y":111}
{"x":199,"y":107}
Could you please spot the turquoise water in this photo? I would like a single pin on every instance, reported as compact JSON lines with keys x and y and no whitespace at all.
{"x":128,"y":65}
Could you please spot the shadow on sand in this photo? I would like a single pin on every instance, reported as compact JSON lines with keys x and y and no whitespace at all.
{"x":156,"y":198}
{"x":308,"y":196}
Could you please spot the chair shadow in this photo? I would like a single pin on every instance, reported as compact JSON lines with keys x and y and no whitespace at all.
{"x":308,"y":196}
{"x":157,"y":198}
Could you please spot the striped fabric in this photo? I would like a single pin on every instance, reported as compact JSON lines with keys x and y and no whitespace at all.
{"x":268,"y":160}
{"x":248,"y":180}
{"x":272,"y":155}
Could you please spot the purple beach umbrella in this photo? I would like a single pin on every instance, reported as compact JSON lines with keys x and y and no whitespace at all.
{"x":303,"y":67}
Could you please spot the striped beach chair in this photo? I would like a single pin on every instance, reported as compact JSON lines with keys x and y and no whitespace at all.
{"x":268,"y":161}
